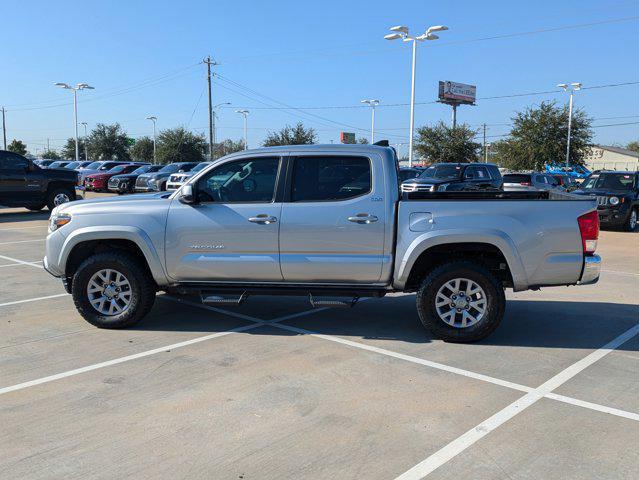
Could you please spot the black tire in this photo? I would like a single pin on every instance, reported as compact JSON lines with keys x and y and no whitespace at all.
{"x":51,"y":198}
{"x":142,"y":287}
{"x":35,"y":208}
{"x":465,"y":269}
{"x":628,"y":224}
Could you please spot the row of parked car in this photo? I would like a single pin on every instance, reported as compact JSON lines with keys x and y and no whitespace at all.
{"x":617,"y":192}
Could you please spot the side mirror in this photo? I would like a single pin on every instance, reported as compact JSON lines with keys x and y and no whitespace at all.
{"x":186,"y":195}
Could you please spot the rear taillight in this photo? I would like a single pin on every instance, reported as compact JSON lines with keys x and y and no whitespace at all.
{"x":526,"y":184}
{"x":589,"y":229}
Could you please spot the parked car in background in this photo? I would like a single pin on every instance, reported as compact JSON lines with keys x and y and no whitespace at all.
{"x":455,"y":177}
{"x":567,"y":182}
{"x":575,"y":171}
{"x":176,"y":180}
{"x":125,"y":183}
{"x":321,"y":221}
{"x":25,"y":184}
{"x":156,"y":182}
{"x":98,"y":182}
{"x":84,"y":164}
{"x":617,"y":197}
{"x":59,"y":164}
{"x":77,"y":165}
{"x":97,"y":167}
{"x":534,"y":181}
{"x":406,"y":173}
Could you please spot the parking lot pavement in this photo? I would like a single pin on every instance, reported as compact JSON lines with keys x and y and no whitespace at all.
{"x":195,"y":391}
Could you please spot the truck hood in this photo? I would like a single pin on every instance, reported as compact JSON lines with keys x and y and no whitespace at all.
{"x":59,"y":174}
{"x":112,"y":204}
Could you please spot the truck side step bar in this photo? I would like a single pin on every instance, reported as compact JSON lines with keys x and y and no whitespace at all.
{"x":331,"y":302}
{"x":210,"y":299}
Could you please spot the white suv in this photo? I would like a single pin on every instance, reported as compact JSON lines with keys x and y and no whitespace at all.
{"x":176,"y":180}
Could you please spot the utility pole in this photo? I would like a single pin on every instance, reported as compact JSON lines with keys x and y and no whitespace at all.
{"x":48,"y":146}
{"x":210,"y":62}
{"x":485,"y":151}
{"x":4,"y":129}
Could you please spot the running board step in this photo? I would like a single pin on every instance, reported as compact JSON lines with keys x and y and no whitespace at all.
{"x":209,"y":299}
{"x":331,"y":302}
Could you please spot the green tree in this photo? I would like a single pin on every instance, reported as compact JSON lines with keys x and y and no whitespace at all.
{"x":362,"y":140}
{"x":142,"y":150}
{"x":539,"y":136}
{"x":51,"y":155}
{"x":297,"y":135}
{"x":226,"y":147}
{"x":68,"y":151}
{"x":180,"y":145}
{"x":108,"y":142}
{"x":17,"y":146}
{"x":441,"y":143}
{"x":634,"y":146}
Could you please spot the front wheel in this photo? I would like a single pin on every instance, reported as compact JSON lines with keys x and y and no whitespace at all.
{"x":461,"y":301}
{"x":113,"y":290}
{"x":631,"y":223}
{"x":58,"y":196}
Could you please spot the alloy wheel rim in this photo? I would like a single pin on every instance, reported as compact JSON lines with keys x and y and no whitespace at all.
{"x":109,"y":292}
{"x":633,"y":220}
{"x":461,"y":303}
{"x":60,"y":198}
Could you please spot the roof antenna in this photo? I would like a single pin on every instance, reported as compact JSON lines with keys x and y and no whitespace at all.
{"x":382,"y":143}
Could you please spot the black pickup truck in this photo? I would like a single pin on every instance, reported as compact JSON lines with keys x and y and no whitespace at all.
{"x":24,"y":184}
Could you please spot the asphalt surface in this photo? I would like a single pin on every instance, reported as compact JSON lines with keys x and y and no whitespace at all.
{"x":275,"y":390}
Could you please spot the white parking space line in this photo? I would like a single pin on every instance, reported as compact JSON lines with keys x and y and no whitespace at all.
{"x":17,"y":264}
{"x":37,"y":299}
{"x":617,"y":272}
{"x":475,"y":434}
{"x":23,"y":241}
{"x":594,"y":406}
{"x":22,"y":228}
{"x":21,"y":262}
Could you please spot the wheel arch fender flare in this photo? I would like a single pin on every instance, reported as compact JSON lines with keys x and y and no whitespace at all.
{"x":493,"y":237}
{"x":130,"y":233}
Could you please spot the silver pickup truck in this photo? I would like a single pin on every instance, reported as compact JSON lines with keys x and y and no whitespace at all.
{"x":325,"y":221}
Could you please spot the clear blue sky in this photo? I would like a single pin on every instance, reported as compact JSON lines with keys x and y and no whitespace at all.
{"x":142,"y":59}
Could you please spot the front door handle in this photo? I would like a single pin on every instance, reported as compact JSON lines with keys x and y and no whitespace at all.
{"x":363,"y":218}
{"x":263,"y":219}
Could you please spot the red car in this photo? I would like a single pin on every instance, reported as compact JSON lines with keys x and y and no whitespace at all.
{"x":98,"y":182}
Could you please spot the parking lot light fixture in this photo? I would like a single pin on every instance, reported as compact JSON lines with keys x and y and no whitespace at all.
{"x":372,"y":104}
{"x":572,"y":88}
{"x":86,"y":155}
{"x":79,"y":86}
{"x":400,"y":31}
{"x":244,"y":113}
{"x":154,"y":120}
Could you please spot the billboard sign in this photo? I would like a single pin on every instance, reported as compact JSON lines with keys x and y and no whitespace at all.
{"x":347,"y":137}
{"x":460,"y":93}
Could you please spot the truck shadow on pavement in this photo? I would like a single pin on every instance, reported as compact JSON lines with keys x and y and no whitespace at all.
{"x":547,"y":324}
{"x":25,"y":216}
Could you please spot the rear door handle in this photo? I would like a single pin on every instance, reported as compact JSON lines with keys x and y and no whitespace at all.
{"x":263,"y":219}
{"x":363,"y":218}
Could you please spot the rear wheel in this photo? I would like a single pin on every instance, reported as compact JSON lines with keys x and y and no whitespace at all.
{"x":58,"y":196}
{"x":631,"y":223}
{"x":113,"y":290}
{"x":461,"y":301}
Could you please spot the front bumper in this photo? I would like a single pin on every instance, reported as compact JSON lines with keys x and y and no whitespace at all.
{"x":591,"y":270}
{"x":613,"y":216}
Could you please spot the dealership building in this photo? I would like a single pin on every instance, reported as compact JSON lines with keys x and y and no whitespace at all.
{"x":602,"y":157}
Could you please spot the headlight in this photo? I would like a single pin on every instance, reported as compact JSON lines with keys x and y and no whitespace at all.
{"x":58,"y":220}
{"x":443,"y":187}
{"x":614,"y":200}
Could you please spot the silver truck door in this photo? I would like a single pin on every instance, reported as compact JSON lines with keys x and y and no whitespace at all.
{"x":231,"y":232}
{"x":333,"y":220}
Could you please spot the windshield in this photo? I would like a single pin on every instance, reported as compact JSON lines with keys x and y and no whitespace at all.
{"x":72,"y":165}
{"x":609,"y":181}
{"x":446,"y":172}
{"x":107,"y":166}
{"x":143,"y":169}
{"x":200,"y":166}
{"x":118,"y":169}
{"x":93,"y":166}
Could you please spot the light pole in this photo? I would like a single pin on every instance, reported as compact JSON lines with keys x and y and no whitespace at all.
{"x":245,"y":114}
{"x":372,"y":104}
{"x":153,"y":119}
{"x":569,"y":88}
{"x":402,"y":32}
{"x":79,"y":86}
{"x":213,"y":117}
{"x":86,"y":155}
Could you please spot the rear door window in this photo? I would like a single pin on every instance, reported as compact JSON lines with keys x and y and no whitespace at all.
{"x":330,"y":178}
